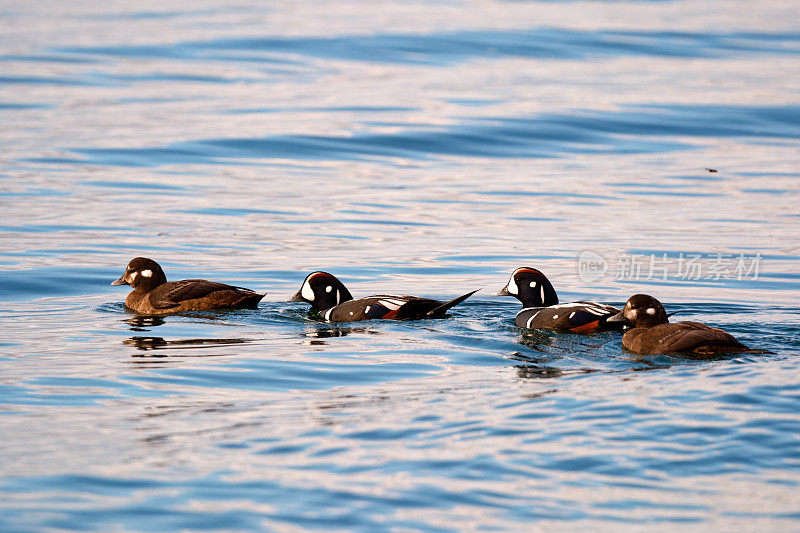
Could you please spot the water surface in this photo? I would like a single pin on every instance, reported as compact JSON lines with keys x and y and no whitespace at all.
{"x":425,"y":148}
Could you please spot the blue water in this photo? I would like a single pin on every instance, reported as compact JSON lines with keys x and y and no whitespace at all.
{"x":421,"y":148}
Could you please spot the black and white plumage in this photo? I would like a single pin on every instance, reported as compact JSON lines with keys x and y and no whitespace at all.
{"x":542,"y":310}
{"x":333,"y":302}
{"x":153,"y":295}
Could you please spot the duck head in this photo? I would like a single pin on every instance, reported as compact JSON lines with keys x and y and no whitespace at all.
{"x":322,"y":291}
{"x":530,"y":287}
{"x":142,"y":274}
{"x":641,"y":311}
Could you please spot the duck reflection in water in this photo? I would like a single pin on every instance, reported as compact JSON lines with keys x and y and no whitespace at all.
{"x":538,"y":372}
{"x":541,"y":340}
{"x":143,"y":322}
{"x":146,"y":344}
{"x":139,"y":322}
{"x":327,"y":331}
{"x":535,"y":365}
{"x":552,"y":355}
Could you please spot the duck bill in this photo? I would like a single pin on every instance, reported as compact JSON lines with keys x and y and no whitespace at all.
{"x":503,"y":292}
{"x":120,"y":281}
{"x":296,"y":297}
{"x":619,"y":317}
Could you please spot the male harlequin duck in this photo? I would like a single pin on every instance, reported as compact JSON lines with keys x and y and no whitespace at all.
{"x":653,"y":334}
{"x":540,"y":307}
{"x":154,"y":295}
{"x":331,"y":299}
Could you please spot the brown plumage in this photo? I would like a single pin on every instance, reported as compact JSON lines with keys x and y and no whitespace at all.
{"x":153,"y":295}
{"x":653,"y":334}
{"x":681,"y":337}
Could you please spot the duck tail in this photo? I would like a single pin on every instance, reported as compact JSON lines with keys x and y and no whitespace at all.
{"x":442,"y":309}
{"x":713,"y":349}
{"x":250,"y":300}
{"x":752,"y":351}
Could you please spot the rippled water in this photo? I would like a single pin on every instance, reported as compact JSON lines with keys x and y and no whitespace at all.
{"x":408,"y":147}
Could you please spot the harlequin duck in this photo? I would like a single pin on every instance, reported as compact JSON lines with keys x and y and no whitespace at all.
{"x":153,"y":295}
{"x":542,"y":310}
{"x":653,"y":334}
{"x":331,"y":299}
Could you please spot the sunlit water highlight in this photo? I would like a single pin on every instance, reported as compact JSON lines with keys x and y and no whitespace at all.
{"x":422,"y":148}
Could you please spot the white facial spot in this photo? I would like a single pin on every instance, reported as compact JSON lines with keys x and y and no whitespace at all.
{"x":555,"y":316}
{"x":651,"y":311}
{"x":351,"y":313}
{"x":367,"y":309}
{"x":328,"y":288}
{"x":133,"y":276}
{"x":145,"y":273}
{"x":512,"y":286}
{"x":533,"y":284}
{"x":307,"y":292}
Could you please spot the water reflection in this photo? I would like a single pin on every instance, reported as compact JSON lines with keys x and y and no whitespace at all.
{"x":538,"y":339}
{"x":159,"y":343}
{"x":139,"y":322}
{"x":539,"y":372}
{"x":146,"y":343}
{"x":143,"y":322}
{"x":327,"y":331}
{"x":555,"y":354}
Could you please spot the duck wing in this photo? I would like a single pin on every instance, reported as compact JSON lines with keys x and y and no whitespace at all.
{"x":172,"y":293}
{"x":390,"y":307}
{"x":695,"y":335}
{"x":685,"y":337}
{"x":591,"y":316}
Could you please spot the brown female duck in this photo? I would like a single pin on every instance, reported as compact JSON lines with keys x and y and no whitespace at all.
{"x":652,"y":333}
{"x":153,"y":295}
